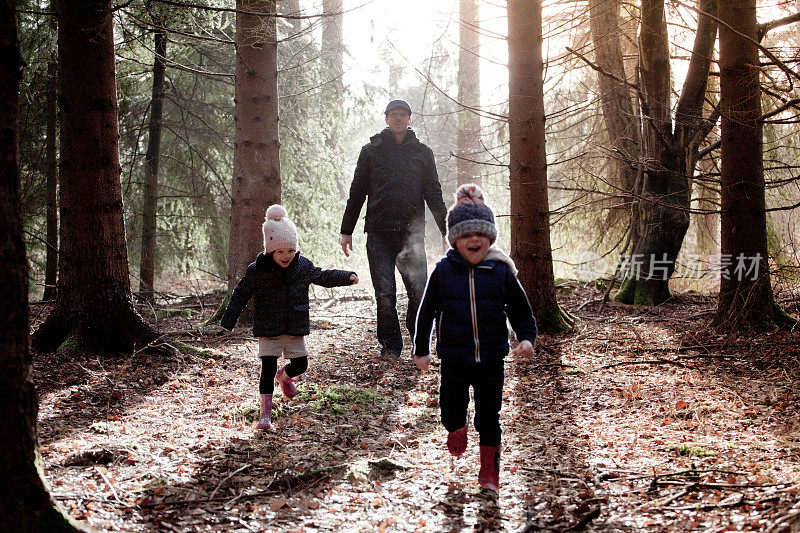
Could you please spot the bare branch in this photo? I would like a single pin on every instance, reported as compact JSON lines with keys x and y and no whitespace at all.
{"x":765,"y":27}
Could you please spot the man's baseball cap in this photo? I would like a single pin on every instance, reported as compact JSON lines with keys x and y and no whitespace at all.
{"x":397,"y":103}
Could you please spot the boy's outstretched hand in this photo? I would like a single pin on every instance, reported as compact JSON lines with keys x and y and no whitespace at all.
{"x":354,"y":278}
{"x":423,"y":362}
{"x":525,"y":349}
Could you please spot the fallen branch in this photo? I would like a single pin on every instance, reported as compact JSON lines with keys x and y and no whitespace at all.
{"x":364,"y":317}
{"x":788,"y":517}
{"x":113,"y":490}
{"x":709,"y":356}
{"x":647,"y":362}
{"x":549,"y":365}
{"x":690,"y":472}
{"x":681,"y":494}
{"x":245,"y":467}
{"x":551,"y":472}
{"x":556,"y":473}
{"x":719,"y":486}
{"x":79,"y":497}
{"x":277,"y":486}
{"x":584,"y":521}
{"x":734,"y":501}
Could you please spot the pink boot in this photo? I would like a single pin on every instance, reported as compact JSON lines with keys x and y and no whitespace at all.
{"x":489,"y":475}
{"x":264,"y":421}
{"x":286,"y":383}
{"x":457,"y":441}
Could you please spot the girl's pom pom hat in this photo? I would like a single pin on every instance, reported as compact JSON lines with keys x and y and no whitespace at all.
{"x":279,"y":232}
{"x":470,"y":214}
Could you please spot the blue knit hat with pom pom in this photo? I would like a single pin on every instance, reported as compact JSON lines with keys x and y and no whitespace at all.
{"x":470,"y":214}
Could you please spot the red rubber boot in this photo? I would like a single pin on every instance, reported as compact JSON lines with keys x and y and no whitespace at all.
{"x":457,"y":441}
{"x":489,"y":475}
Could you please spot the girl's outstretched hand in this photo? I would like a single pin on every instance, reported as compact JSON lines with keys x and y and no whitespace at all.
{"x":423,"y":362}
{"x":525,"y":349}
{"x":354,"y":278}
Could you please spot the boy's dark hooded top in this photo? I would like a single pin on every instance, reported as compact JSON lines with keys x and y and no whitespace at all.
{"x":470,"y":304}
{"x":281,"y":295}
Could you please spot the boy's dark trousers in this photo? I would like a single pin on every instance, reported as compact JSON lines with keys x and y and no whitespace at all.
{"x":486,"y":379}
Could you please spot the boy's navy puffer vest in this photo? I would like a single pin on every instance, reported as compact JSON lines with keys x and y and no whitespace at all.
{"x":471,"y":322}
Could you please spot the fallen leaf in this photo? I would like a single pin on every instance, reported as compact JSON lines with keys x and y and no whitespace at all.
{"x":278,"y":504}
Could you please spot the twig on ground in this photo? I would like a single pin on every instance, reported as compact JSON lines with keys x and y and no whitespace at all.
{"x":718,"y":486}
{"x":80,"y":497}
{"x":113,"y":490}
{"x":584,"y":521}
{"x":733,"y":501}
{"x":556,"y":473}
{"x":785,"y":519}
{"x":548,"y":365}
{"x":587,"y":302}
{"x":245,"y":467}
{"x":677,"y":496}
{"x":690,"y":472}
{"x":708,"y":356}
{"x":646,"y":362}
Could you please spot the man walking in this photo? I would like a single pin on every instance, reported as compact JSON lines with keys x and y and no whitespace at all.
{"x":398,"y":174}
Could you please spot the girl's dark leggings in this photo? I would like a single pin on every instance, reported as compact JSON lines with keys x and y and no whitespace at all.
{"x":269,"y":367}
{"x":486,"y":379}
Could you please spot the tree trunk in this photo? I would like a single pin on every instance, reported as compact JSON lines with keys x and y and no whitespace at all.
{"x":93,"y":308}
{"x":25,"y":505}
{"x":745,"y":292}
{"x":469,"y":93}
{"x":292,"y":8}
{"x":707,"y":224}
{"x":332,"y":104}
{"x":615,"y":98}
{"x":705,"y":195}
{"x":256,"y":164}
{"x":149,"y":224}
{"x":51,"y":261}
{"x":530,"y":211}
{"x":333,"y":52}
{"x":661,"y":216}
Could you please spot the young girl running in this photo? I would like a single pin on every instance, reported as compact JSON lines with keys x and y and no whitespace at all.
{"x":279,"y":279}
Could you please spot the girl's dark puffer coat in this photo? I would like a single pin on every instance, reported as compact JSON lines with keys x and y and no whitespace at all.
{"x":281,"y":295}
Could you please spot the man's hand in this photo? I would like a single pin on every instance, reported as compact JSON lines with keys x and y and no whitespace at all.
{"x":424,"y":362}
{"x":525,"y":349}
{"x":353,"y":278}
{"x":347,"y":242}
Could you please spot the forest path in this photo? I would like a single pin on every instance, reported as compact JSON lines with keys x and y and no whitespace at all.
{"x":639,"y":421}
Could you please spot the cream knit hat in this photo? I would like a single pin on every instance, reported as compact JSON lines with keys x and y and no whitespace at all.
{"x":279,"y":232}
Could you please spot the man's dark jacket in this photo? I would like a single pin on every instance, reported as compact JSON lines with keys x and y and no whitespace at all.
{"x":281,"y":295}
{"x":470,"y":304}
{"x":399,"y":180}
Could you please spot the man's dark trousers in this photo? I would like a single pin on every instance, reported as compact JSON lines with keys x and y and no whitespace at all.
{"x":406,"y":251}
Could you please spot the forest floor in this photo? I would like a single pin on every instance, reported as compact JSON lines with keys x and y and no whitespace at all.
{"x":640,"y":420}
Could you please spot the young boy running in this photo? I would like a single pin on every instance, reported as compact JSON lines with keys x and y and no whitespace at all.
{"x":470,"y":294}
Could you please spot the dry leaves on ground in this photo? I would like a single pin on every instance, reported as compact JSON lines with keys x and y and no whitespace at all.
{"x":641,"y":420}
